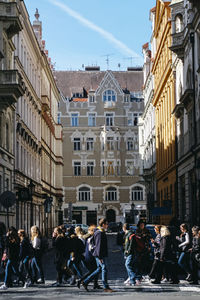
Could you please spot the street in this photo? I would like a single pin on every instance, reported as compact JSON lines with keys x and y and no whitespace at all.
{"x":117,"y":275}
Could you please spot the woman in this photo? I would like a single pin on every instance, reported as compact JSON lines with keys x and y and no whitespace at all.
{"x":25,"y":254}
{"x":167,"y":257}
{"x":61,"y":254}
{"x":36,"y":264}
{"x":12,"y":246}
{"x":184,"y":245}
{"x":156,"y":246}
{"x":194,"y":251}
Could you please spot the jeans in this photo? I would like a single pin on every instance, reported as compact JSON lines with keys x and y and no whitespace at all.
{"x":24,"y":266}
{"x":101,"y":267}
{"x":131,"y":265}
{"x":12,"y":265}
{"x":183,"y":262}
{"x":36,"y":265}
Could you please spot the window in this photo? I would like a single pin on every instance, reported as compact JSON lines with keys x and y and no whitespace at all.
{"x":110,"y":143}
{"x":179,"y":23}
{"x":118,"y":168}
{"x":109,"y":119}
{"x":110,"y":168}
{"x":130,"y":119}
{"x":77,"y":169}
{"x":90,"y":168}
{"x":137,"y":194}
{"x":59,"y":118}
{"x":90,"y":144}
{"x":135,"y":120}
{"x":103,"y":168}
{"x":74,"y":119}
{"x":118,"y":143}
{"x":111,"y":194}
{"x":92,"y":119}
{"x":129,"y":168}
{"x":77,"y":144}
{"x":130,"y":145}
{"x":91,"y":98}
{"x":109,"y":95}
{"x":84,"y":194}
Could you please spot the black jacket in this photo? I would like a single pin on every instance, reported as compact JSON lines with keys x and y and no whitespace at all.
{"x":12,"y":249}
{"x":167,"y":252}
{"x":196,"y":245}
{"x":100,"y":242}
{"x":25,"y":249}
{"x":61,"y":248}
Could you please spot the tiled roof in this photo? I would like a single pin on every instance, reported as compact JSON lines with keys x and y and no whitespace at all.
{"x":80,"y":99}
{"x":69,"y":81}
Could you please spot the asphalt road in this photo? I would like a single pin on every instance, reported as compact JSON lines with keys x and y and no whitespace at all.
{"x":116,"y":276}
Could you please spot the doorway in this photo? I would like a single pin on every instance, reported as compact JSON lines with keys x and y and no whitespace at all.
{"x":111,"y":215}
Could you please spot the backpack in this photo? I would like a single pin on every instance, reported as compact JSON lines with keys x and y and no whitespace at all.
{"x":139,"y":242}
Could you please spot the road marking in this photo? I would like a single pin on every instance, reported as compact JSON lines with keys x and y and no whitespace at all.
{"x":189,"y":289}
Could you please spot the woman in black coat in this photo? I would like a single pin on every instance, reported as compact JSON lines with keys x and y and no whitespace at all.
{"x":194,"y":251}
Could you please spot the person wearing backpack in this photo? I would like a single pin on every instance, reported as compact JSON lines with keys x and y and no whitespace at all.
{"x":36,"y":263}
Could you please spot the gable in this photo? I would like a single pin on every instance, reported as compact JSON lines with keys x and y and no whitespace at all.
{"x":109,"y":82}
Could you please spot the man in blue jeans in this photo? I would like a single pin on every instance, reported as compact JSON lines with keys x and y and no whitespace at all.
{"x":100,"y":253}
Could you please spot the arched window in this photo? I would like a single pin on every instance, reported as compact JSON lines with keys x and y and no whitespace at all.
{"x":179,"y":23}
{"x":84,"y":193}
{"x":111,"y":194}
{"x":137,"y":194}
{"x":109,"y":95}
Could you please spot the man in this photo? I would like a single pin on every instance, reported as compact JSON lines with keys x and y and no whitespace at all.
{"x":100,"y":253}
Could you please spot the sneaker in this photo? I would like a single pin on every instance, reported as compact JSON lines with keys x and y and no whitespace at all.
{"x":130,"y":284}
{"x":189,"y":277}
{"x":164,"y":280}
{"x":56,"y":284}
{"x":108,"y":290}
{"x":3,"y":287}
{"x":27,"y":284}
{"x":137,"y":282}
{"x":40,"y":280}
{"x":127,"y":280}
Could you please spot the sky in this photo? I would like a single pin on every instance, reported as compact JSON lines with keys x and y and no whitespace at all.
{"x":105,"y":33}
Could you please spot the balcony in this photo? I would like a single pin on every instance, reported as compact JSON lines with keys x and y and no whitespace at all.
{"x":178,"y":44}
{"x":11,"y":87}
{"x":45,"y":103}
{"x":109,"y":104}
{"x":10,"y":17}
{"x":187,"y":98}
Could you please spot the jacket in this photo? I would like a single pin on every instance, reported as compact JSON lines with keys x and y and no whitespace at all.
{"x":156,"y":246}
{"x":166,"y":249}
{"x":12,"y":250}
{"x":129,"y":243}
{"x":25,"y":249}
{"x":60,"y":245}
{"x":100,"y":243}
{"x":184,"y":241}
{"x":196,"y":245}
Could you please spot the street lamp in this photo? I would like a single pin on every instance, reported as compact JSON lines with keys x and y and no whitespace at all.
{"x":31,"y":190}
{"x":60,"y":213}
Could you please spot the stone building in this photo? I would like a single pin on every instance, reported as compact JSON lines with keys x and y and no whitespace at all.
{"x":186,"y":63}
{"x":31,"y":134}
{"x":102,"y":166}
{"x":164,"y":102}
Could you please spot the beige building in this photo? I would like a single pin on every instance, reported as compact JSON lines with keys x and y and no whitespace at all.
{"x":30,"y":136}
{"x":99,"y":113}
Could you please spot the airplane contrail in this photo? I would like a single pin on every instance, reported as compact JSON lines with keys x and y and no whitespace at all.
{"x":105,"y":34}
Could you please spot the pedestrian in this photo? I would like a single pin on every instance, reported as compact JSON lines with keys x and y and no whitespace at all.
{"x":131,"y":257}
{"x":100,"y":253}
{"x":195,"y":255}
{"x":184,"y":245}
{"x":25,"y":254}
{"x":12,"y":246}
{"x":36,"y":263}
{"x":156,"y":246}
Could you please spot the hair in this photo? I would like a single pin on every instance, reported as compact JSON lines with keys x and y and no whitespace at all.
{"x":164,"y":231}
{"x":158,"y":227}
{"x":12,"y":235}
{"x":91,"y":228}
{"x":126,"y":226}
{"x":184,"y":226}
{"x":21,"y":234}
{"x":141,"y":222}
{"x":59,"y":231}
{"x":103,"y":221}
{"x":35,"y":232}
{"x":195,"y":229}
{"x":79,"y":231}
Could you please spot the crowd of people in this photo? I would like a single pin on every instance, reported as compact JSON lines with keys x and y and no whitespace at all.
{"x":80,"y":257}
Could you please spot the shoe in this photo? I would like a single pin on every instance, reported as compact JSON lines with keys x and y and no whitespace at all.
{"x":127,"y":280}
{"x":155,"y":282}
{"x":3,"y":287}
{"x":27,"y":284}
{"x":130,"y":284}
{"x":56,"y":284}
{"x":40,"y":281}
{"x":97,"y":287}
{"x":85,"y":286}
{"x":108,"y":290}
{"x":73,"y":280}
{"x":79,"y":283}
{"x":137,"y":282}
{"x":164,"y":280}
{"x":189,"y":277}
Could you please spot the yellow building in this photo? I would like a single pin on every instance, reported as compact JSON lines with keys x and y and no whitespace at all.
{"x":164,"y":102}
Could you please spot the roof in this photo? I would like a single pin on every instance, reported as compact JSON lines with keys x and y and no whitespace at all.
{"x":80,"y":99}
{"x":69,"y":81}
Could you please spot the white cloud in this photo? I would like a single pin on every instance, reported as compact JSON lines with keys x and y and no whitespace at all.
{"x":105,"y":34}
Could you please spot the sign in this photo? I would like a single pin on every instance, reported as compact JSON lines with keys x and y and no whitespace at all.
{"x":161,"y":211}
{"x":80,"y":207}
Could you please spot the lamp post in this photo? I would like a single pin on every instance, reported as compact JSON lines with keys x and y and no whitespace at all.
{"x":60,"y":213}
{"x":47,"y":209}
{"x":132,"y":212}
{"x":31,"y":189}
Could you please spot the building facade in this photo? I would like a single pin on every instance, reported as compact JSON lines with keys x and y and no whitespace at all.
{"x":186,"y":51}
{"x":102,"y":166}
{"x":33,"y":135}
{"x":164,"y":102}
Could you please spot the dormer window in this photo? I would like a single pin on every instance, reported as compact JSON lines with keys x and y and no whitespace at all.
{"x":109,"y":95}
{"x":179,"y":23}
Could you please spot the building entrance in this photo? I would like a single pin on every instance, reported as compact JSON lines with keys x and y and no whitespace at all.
{"x":111,"y":215}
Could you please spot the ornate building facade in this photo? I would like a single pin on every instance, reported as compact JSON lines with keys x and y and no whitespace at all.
{"x":102,"y":166}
